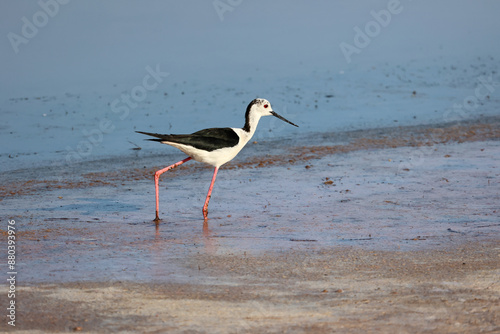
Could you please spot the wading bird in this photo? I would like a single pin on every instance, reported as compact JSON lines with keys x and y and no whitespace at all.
{"x":214,"y":146}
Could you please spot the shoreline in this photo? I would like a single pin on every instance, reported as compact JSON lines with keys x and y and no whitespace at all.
{"x":59,"y":177}
{"x":346,"y":290}
{"x":370,"y":232}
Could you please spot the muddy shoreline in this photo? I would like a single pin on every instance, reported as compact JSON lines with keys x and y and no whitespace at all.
{"x":345,"y":290}
{"x":97,"y":173}
{"x":356,"y":235}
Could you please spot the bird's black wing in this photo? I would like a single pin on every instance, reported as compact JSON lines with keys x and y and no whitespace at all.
{"x":208,"y":139}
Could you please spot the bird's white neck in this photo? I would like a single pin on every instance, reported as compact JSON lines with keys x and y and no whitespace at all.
{"x":251,"y":122}
{"x":248,"y":130}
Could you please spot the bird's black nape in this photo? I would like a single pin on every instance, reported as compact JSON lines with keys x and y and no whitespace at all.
{"x":247,"y":115}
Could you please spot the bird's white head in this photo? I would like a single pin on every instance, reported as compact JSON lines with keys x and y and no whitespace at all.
{"x":261,"y":107}
{"x":258,"y":108}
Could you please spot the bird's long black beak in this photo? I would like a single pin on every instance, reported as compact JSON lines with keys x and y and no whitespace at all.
{"x":282,"y":118}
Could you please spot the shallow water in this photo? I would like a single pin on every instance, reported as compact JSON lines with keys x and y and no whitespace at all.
{"x":105,"y":232}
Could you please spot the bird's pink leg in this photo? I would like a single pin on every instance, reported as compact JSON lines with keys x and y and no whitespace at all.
{"x":205,"y":207}
{"x":157,"y":178}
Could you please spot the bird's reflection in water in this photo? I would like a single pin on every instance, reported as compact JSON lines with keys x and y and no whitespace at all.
{"x":206,"y":238}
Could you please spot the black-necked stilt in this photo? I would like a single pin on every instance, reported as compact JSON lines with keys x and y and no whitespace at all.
{"x":214,"y":146}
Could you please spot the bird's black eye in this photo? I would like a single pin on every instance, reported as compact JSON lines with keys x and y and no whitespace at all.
{"x":266,"y":105}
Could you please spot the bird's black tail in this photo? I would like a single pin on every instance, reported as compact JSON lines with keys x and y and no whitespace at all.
{"x":159,"y":137}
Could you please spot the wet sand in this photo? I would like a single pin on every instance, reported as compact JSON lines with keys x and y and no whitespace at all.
{"x":387,"y":230}
{"x":345,"y":290}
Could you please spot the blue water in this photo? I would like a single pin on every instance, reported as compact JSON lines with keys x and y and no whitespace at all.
{"x":66,"y":89}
